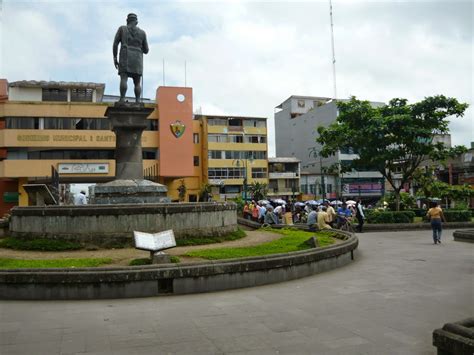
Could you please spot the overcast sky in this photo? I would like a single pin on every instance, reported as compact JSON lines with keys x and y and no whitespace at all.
{"x":246,"y":57}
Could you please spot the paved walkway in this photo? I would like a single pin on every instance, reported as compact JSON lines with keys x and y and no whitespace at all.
{"x":400,"y":288}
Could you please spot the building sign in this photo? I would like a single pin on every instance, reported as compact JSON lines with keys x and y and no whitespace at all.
{"x":177,"y":128}
{"x":362,"y":188}
{"x":83,"y":168}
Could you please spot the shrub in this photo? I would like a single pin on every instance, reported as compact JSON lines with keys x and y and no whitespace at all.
{"x":457,"y":216}
{"x":419,"y":212}
{"x":391,"y":217}
{"x":38,"y":244}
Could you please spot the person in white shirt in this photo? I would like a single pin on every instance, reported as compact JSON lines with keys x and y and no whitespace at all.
{"x":80,"y":198}
{"x":360,"y":215}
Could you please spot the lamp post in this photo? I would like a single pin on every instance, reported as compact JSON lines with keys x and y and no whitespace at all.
{"x":238,"y":163}
{"x":315,"y":153}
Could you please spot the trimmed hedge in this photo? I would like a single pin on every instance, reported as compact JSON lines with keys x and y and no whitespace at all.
{"x":457,"y":216}
{"x":38,"y":244}
{"x":419,"y":212}
{"x":391,"y":217}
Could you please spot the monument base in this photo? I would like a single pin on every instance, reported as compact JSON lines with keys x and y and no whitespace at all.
{"x":129,"y":191}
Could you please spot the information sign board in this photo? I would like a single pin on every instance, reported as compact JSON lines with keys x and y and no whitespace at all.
{"x":154,"y":241}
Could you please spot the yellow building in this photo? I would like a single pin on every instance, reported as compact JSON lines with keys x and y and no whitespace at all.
{"x":61,"y":126}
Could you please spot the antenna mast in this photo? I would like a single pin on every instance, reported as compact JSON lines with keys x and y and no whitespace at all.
{"x":333,"y":53}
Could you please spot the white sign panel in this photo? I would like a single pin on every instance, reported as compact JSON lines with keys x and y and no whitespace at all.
{"x":154,"y":241}
{"x":83,"y":168}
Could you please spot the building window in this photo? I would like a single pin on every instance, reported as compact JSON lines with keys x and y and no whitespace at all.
{"x":236,"y":138}
{"x":196,"y":161}
{"x":273,"y":185}
{"x":148,"y":153}
{"x":152,"y":125}
{"x":22,"y":123}
{"x":81,"y":95}
{"x":312,"y":189}
{"x":196,"y":138}
{"x":217,"y":138}
{"x":217,"y":122}
{"x":255,"y":123}
{"x":255,"y":139}
{"x":54,"y":95}
{"x":215,"y":154}
{"x":259,"y":173}
{"x":290,"y":183}
{"x":72,"y":154}
{"x":226,"y":173}
{"x":329,"y":188}
{"x":304,"y":188}
{"x":301,"y":103}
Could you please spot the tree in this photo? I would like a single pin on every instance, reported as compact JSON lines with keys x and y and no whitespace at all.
{"x":393,"y":139}
{"x":258,"y":190}
{"x":205,"y":192}
{"x":182,"y":190}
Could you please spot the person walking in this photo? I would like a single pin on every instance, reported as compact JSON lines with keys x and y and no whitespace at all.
{"x":80,"y":198}
{"x":312,"y":219}
{"x":359,"y":215}
{"x":435,"y":215}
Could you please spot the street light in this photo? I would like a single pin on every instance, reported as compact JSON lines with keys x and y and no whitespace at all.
{"x":238,"y":162}
{"x":315,"y":153}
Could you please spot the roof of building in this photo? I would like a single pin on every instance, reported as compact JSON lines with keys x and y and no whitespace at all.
{"x":283,"y":160}
{"x":230,"y":117}
{"x":56,"y":84}
{"x":317,"y":98}
{"x":114,"y":98}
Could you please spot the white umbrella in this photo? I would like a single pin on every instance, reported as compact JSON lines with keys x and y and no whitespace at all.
{"x":301,"y":204}
{"x":336,"y":202}
{"x":312,"y":202}
{"x":264,"y":202}
{"x":351,"y":202}
{"x":280,"y":201}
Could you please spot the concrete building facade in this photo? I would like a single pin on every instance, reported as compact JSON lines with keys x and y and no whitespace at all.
{"x":284,"y":178}
{"x":296,"y":122}
{"x":61,"y":125}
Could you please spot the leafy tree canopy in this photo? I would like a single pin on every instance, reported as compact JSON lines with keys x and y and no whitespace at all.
{"x":395,"y":138}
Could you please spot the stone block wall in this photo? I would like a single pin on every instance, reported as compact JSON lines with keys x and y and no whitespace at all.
{"x":106,"y":225}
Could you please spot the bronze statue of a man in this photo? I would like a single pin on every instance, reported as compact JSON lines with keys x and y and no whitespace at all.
{"x":130,"y":64}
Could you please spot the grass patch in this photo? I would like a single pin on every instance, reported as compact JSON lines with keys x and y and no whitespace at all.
{"x":238,"y":234}
{"x":147,"y":261}
{"x":52,"y":263}
{"x":292,"y":240}
{"x":38,"y":244}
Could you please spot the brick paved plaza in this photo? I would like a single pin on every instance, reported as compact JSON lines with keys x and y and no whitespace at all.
{"x":400,"y":288}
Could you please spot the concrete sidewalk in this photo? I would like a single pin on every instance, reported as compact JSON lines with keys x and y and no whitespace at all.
{"x":400,"y":288}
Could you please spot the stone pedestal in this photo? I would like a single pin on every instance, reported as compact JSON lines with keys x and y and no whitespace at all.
{"x":160,"y":257}
{"x":129,"y":191}
{"x":128,"y":121}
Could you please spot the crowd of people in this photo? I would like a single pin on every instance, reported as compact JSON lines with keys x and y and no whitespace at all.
{"x":316,"y":216}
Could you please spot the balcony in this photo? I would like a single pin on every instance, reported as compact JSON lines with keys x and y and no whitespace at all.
{"x":283,"y":175}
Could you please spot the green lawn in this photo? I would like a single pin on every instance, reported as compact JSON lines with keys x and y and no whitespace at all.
{"x":52,"y":263}
{"x":238,"y":234}
{"x":292,"y":240}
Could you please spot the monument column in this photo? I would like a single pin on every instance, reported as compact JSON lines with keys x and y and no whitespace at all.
{"x":128,"y":122}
